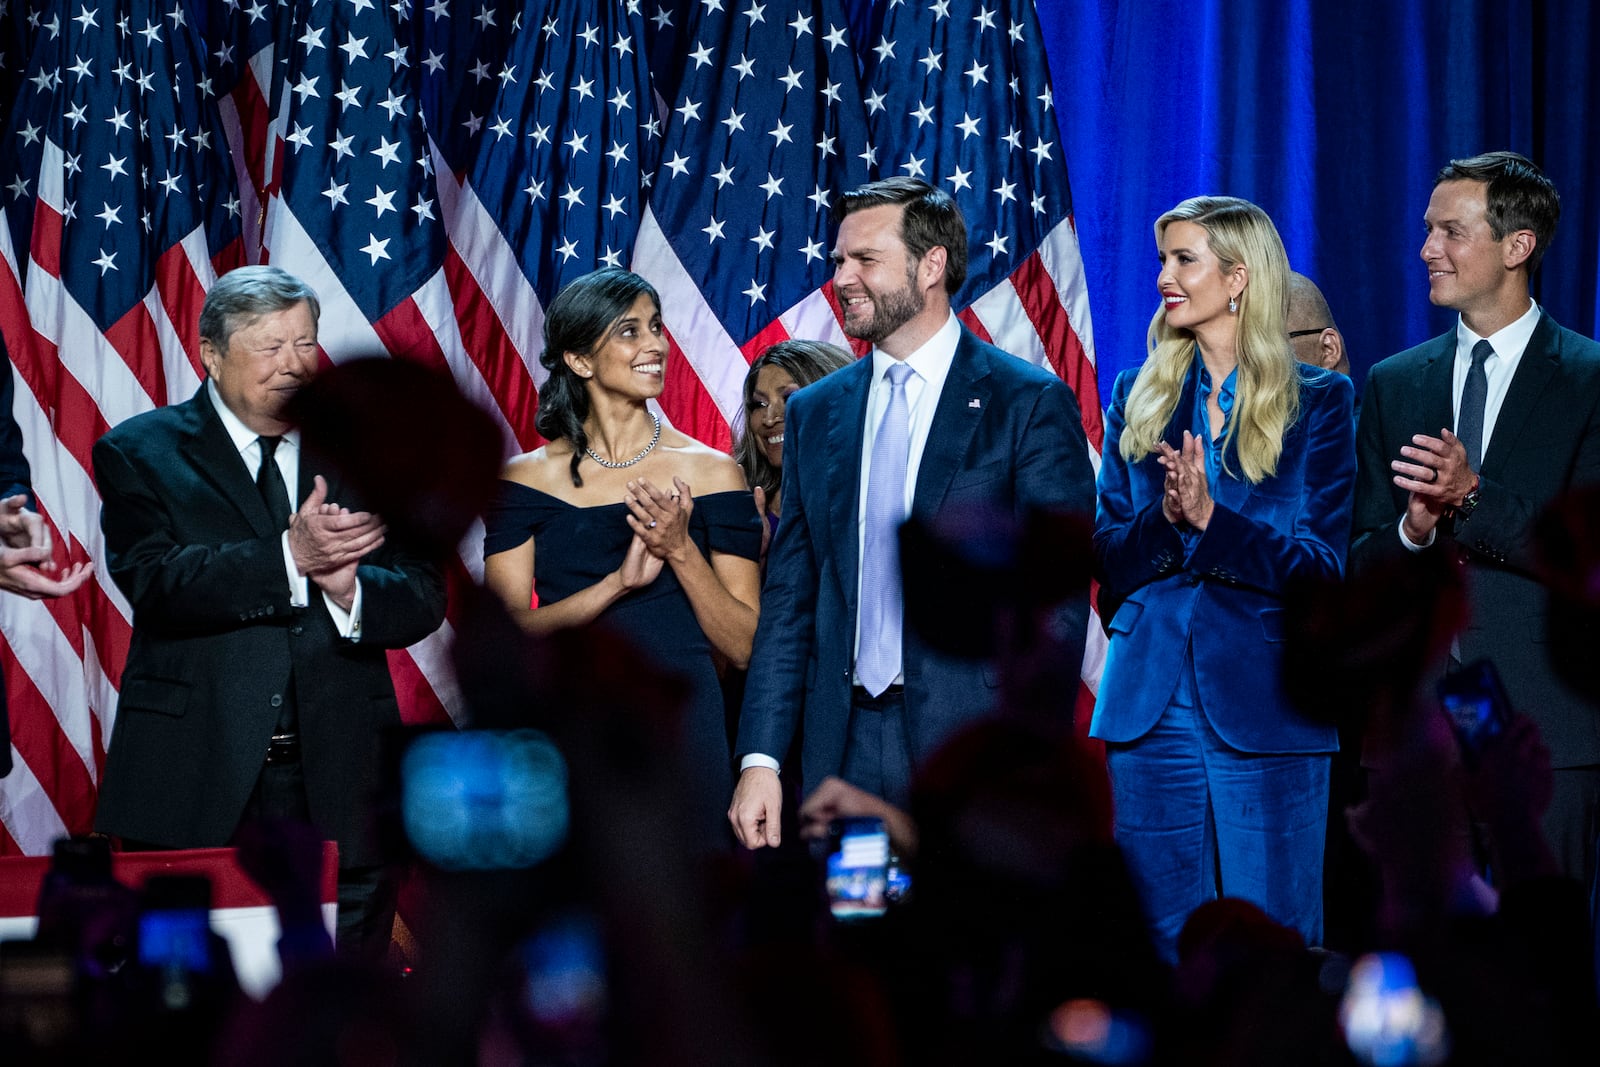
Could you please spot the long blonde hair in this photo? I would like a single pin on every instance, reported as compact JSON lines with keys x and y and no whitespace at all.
{"x":1267,"y":397}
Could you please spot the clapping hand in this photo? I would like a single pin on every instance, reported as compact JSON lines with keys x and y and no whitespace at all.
{"x":1434,"y":473}
{"x":26,"y":558}
{"x":328,"y":542}
{"x":661,"y":519}
{"x":639,"y":565}
{"x":1186,"y":494}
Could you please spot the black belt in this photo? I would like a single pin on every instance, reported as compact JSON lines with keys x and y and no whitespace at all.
{"x":859,"y":695}
{"x":283,"y":748}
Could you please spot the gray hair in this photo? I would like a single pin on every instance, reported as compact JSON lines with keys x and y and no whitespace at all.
{"x":245,"y":293}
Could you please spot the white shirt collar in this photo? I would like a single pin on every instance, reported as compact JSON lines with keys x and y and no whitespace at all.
{"x":1509,"y":341}
{"x":242,"y":436}
{"x":932,"y":360}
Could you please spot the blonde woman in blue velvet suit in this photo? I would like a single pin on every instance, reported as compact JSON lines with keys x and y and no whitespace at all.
{"x":1228,"y":471}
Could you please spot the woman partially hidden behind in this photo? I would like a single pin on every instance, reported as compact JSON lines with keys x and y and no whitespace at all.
{"x":603,"y":523}
{"x":1228,"y":471}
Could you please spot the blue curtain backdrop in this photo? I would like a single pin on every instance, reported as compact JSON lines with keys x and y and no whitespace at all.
{"x":1334,"y":117}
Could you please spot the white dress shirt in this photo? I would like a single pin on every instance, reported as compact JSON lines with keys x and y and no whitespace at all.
{"x":287,"y":456}
{"x":1509,"y":343}
{"x":930,"y":365}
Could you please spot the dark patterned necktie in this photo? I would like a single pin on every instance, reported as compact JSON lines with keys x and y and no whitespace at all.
{"x":1469,"y":424}
{"x":269,"y":480}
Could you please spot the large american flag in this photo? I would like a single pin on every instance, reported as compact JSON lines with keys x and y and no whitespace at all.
{"x":437,"y":171}
{"x":958,"y":94}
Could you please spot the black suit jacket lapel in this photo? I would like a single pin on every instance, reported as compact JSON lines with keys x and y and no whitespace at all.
{"x":846,"y":436}
{"x":313,"y":463}
{"x":1539,"y":363}
{"x":212,"y":452}
{"x":1437,"y":394}
{"x":961,"y":407}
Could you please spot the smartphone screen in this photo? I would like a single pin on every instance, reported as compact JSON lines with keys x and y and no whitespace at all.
{"x":1476,"y":703}
{"x":1386,"y":1019}
{"x":858,"y":873}
{"x":176,"y":940}
{"x":175,"y":924}
{"x":484,"y":799}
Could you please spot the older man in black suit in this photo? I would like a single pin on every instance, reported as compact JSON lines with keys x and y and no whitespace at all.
{"x":256,"y":686}
{"x":1523,"y":396}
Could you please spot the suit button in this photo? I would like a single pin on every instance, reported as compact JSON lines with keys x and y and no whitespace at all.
{"x":297,"y":629}
{"x":277,"y":700}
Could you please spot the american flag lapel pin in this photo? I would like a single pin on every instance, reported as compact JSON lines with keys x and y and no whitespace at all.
{"x":974,"y":403}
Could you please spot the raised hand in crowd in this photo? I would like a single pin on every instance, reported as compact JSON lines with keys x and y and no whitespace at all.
{"x":836,"y":798}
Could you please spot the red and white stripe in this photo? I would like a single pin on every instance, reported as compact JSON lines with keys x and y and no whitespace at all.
{"x":477,"y":315}
{"x":1040,"y":313}
{"x":74,"y":381}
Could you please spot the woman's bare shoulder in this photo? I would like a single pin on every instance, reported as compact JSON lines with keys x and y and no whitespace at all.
{"x":707,"y":469}
{"x":544,"y":468}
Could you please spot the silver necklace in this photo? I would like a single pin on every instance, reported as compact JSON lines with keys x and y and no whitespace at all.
{"x":642,"y":452}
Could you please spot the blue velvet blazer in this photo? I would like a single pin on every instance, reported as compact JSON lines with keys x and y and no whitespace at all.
{"x":1222,"y":599}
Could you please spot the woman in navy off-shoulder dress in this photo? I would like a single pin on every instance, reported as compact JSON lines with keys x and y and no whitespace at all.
{"x":624,"y":522}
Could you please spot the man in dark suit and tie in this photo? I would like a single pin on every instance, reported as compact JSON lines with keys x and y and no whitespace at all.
{"x":1523,"y":396}
{"x":256,"y":685}
{"x":933,"y":420}
{"x":25,"y":553}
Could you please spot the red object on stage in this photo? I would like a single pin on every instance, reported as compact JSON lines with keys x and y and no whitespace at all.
{"x":230,"y":886}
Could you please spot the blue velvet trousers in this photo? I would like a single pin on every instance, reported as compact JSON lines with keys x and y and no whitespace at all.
{"x":1197,"y":819}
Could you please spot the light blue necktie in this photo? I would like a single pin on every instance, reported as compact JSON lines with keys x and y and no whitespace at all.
{"x":878,"y":650}
{"x":1474,"y":396}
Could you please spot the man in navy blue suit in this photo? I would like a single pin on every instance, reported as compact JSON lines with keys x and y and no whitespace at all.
{"x":934,"y":420}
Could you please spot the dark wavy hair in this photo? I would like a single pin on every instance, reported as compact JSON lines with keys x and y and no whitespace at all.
{"x":577,"y":321}
{"x":1518,"y":197}
{"x":806,"y":361}
{"x":931,"y":218}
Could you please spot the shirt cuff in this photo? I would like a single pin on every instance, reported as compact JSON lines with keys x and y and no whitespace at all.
{"x":348,"y":623}
{"x":1410,"y":544}
{"x":756,"y":759}
{"x":299,"y":586}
